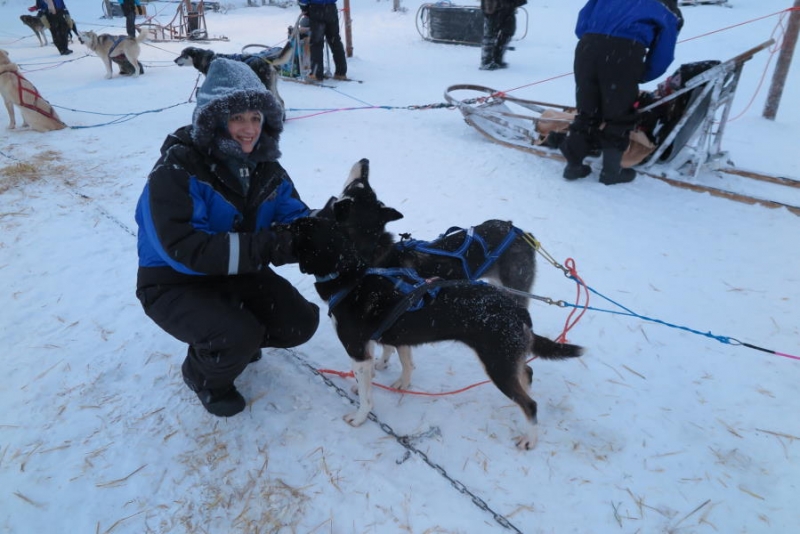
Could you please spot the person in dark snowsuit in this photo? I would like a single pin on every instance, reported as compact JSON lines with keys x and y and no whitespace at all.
{"x":56,"y":13}
{"x":499,"y":26}
{"x":621,"y":43}
{"x":323,"y":16}
{"x":207,"y":237}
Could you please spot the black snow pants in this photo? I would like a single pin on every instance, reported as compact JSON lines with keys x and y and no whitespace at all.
{"x":607,"y":74}
{"x":498,"y":29}
{"x":324,"y":25}
{"x":225,"y":320}
{"x":59,"y":30}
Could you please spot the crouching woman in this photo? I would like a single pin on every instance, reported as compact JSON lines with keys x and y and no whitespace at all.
{"x":207,"y":238}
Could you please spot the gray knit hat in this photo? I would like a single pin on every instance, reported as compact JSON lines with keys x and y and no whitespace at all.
{"x":232,"y":87}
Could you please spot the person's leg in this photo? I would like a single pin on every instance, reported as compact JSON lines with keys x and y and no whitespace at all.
{"x":332,"y":35}
{"x":316,"y":40}
{"x":507,"y":26}
{"x":287,"y":317}
{"x":489,"y":42}
{"x":58,"y":29}
{"x":619,"y":86}
{"x":221,"y":333}
{"x":129,"y":10}
{"x":582,"y":130}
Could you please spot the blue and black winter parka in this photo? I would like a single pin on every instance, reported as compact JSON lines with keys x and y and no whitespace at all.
{"x":195,"y":219}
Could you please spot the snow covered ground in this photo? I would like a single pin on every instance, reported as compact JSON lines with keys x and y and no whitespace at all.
{"x":655,"y":429}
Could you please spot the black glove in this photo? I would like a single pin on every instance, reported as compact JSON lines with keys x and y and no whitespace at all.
{"x":282,"y":248}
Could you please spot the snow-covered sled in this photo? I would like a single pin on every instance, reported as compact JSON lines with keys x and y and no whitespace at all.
{"x":679,"y":132}
{"x":445,"y":22}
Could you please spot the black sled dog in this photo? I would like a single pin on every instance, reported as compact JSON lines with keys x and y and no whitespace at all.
{"x":494,"y":250}
{"x":370,"y":304}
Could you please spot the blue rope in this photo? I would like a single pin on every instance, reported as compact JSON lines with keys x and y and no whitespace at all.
{"x":630,"y":313}
{"x":121,"y":117}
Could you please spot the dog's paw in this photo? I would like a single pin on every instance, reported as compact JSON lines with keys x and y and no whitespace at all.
{"x":355,"y":419}
{"x":401,"y":384}
{"x":354,"y":389}
{"x":526,"y":443}
{"x":381,"y":365}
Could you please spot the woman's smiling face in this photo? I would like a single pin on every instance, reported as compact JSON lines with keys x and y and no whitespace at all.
{"x":245,"y":129}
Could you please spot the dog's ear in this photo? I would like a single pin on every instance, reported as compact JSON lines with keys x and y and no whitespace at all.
{"x":390,"y":214}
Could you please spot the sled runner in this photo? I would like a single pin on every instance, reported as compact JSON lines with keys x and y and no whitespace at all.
{"x":679,"y":130}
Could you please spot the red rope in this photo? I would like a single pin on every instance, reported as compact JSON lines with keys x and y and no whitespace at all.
{"x":580,"y":287}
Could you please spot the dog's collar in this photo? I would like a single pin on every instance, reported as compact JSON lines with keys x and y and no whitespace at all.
{"x":327,"y":277}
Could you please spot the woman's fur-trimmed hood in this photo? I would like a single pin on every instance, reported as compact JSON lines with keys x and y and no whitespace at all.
{"x":232,"y":87}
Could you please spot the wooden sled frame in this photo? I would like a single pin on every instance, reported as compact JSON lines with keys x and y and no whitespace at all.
{"x":695,"y":140}
{"x":189,"y":23}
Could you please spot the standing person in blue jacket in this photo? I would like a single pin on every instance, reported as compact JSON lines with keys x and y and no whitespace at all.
{"x":324,"y":25}
{"x":207,"y":240}
{"x":622,"y":43}
{"x":129,"y":11}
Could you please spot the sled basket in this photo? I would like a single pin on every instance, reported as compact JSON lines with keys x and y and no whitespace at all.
{"x":444,"y":22}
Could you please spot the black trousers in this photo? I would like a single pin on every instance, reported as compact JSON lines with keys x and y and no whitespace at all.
{"x":129,"y":10}
{"x":498,"y":29}
{"x":59,"y":30}
{"x":607,"y":73}
{"x":226,"y":320}
{"x":324,"y":25}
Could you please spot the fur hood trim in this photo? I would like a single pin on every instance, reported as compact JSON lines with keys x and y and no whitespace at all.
{"x":232,"y":87}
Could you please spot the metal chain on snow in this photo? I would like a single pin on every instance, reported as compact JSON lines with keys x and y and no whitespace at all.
{"x":405,"y":441}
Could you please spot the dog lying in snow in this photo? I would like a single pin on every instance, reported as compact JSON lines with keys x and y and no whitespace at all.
{"x":369,"y":304}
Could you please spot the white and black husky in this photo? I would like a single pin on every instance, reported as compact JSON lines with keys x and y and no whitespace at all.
{"x":371,"y":304}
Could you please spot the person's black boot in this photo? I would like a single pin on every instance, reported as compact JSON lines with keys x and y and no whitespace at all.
{"x":222,"y":402}
{"x":575,"y":168}
{"x":613,"y":172}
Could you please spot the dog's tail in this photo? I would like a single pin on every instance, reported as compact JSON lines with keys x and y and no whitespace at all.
{"x":144,"y":34}
{"x":286,"y":55}
{"x":551,"y":350}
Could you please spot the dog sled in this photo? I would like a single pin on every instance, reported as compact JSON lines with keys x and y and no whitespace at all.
{"x":189,"y":23}
{"x":299,"y":66}
{"x":444,"y":22}
{"x":679,"y":133}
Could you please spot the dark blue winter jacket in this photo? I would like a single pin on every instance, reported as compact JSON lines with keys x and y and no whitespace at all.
{"x":648,"y":22}
{"x":195,"y":219}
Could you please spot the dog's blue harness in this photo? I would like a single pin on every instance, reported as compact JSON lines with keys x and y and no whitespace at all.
{"x":117,"y":41}
{"x":415,"y":291}
{"x":427,"y":247}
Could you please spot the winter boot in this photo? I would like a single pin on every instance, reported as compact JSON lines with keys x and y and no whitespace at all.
{"x":613,"y":172}
{"x":575,"y":168}
{"x":222,"y":402}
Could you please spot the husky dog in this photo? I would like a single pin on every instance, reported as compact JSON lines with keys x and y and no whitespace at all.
{"x":265,"y":67}
{"x":494,"y":249}
{"x":364,"y":217}
{"x":35,"y":24}
{"x":369,"y":304}
{"x":17,"y":90}
{"x":108,"y":46}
